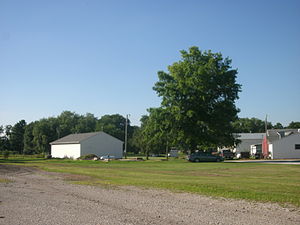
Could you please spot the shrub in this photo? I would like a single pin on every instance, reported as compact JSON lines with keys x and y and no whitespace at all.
{"x":88,"y":157}
{"x":40,"y":155}
{"x":6,"y":154}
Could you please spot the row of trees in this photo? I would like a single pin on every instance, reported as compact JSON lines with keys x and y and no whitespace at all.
{"x":197,"y":111}
{"x":150,"y":137}
{"x":34,"y":138}
{"x":254,"y":125}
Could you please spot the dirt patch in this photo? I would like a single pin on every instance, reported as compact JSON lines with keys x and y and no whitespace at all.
{"x":6,"y":169}
{"x":74,"y":177}
{"x":38,"y":197}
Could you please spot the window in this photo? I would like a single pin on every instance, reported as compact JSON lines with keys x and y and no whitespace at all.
{"x":297,"y":146}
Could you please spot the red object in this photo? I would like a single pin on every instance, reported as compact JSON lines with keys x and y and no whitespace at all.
{"x":265,"y":147}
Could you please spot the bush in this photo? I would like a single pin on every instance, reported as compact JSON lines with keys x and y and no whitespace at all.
{"x":48,"y":156}
{"x":88,"y":157}
{"x":6,"y":154}
{"x":39,"y":156}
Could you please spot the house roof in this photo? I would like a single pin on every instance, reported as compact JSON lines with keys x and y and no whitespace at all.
{"x":284,"y":137}
{"x":76,"y":138}
{"x":243,"y":136}
{"x":277,"y":134}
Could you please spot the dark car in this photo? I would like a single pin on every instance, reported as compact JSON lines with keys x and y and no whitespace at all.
{"x":204,"y":157}
{"x":227,"y":154}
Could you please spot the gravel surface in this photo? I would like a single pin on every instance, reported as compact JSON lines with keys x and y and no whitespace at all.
{"x":36,"y":197}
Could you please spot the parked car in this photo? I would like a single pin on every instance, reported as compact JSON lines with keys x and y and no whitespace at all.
{"x":227,"y":154}
{"x":204,"y":157}
{"x":156,"y":155}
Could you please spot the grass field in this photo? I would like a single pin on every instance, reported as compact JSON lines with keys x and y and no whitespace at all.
{"x":250,"y":181}
{"x":2,"y":180}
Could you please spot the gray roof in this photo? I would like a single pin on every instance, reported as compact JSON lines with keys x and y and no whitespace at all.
{"x":243,"y":136}
{"x":75,"y":138}
{"x":276,"y":134}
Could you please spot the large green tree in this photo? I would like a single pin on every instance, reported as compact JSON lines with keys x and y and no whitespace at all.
{"x":199,"y":92}
{"x":278,"y":126}
{"x":294,"y":125}
{"x":251,"y":125}
{"x":4,"y":141}
{"x":5,"y":133}
{"x":16,"y":136}
{"x":113,"y":125}
{"x":155,"y":134}
{"x":67,"y":122}
{"x":29,"y":147}
{"x":86,"y":123}
{"x":43,"y":133}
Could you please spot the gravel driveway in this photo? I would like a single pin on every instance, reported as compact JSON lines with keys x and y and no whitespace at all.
{"x":36,"y":197}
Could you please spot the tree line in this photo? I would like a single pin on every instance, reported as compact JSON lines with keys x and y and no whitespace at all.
{"x":34,"y":138}
{"x":197,"y":110}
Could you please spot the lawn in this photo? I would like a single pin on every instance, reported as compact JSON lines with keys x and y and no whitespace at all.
{"x":250,"y":181}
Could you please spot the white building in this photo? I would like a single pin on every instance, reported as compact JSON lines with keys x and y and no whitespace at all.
{"x":284,"y":144}
{"x":246,"y":140}
{"x":76,"y":145}
{"x":256,"y":149}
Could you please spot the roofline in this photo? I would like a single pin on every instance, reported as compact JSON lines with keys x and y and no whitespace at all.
{"x":66,"y":142}
{"x":78,"y":142}
{"x":285,"y":129}
{"x":291,"y":135}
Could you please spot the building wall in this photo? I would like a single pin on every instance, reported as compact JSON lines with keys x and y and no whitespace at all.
{"x":245,"y":145}
{"x":285,"y":148}
{"x":65,"y":150}
{"x":265,"y":147}
{"x":270,"y":151}
{"x":102,"y":144}
{"x":255,"y":149}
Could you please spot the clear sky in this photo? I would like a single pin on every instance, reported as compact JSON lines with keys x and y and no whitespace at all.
{"x":102,"y":57}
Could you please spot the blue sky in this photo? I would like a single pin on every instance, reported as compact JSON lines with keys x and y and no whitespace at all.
{"x":102,"y":57}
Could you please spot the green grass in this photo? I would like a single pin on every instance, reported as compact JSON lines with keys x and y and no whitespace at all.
{"x":250,"y":181}
{"x":3,"y":180}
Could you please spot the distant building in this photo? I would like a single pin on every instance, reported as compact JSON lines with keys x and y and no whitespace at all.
{"x":76,"y":145}
{"x":282,"y":144}
{"x":246,"y":140}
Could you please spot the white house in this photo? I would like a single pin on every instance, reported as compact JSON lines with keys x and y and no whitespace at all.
{"x":246,"y":140}
{"x":256,"y":149}
{"x":76,"y":145}
{"x":284,"y":144}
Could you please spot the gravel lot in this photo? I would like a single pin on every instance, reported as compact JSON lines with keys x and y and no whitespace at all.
{"x":37,"y":197}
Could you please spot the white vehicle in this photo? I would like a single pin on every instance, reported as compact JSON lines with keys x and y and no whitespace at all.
{"x":173,"y":153}
{"x":107,"y":157}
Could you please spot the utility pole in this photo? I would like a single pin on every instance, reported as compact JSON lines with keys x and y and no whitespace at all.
{"x":126,"y":125}
{"x":167,"y":151}
{"x":265,"y":144}
{"x":266,"y":124}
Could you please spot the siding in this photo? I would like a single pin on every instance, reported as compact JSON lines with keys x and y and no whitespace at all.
{"x":245,"y":145}
{"x":248,"y":139}
{"x":285,"y":148}
{"x":102,"y":144}
{"x":69,"y":150}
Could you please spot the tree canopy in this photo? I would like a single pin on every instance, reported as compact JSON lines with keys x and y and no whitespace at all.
{"x":35,"y":137}
{"x":199,"y":93}
{"x":251,"y":125}
{"x":294,"y":125}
